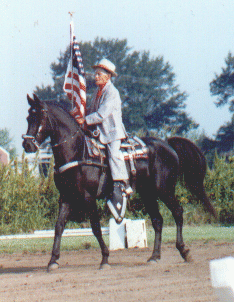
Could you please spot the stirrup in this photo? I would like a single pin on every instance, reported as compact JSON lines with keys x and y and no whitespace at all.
{"x":118,"y":202}
{"x":128,"y":190}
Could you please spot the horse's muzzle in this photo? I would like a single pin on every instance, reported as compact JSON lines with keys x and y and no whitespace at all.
{"x":30,"y":144}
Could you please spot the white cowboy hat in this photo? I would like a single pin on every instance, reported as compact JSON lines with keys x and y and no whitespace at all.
{"x":106,"y":65}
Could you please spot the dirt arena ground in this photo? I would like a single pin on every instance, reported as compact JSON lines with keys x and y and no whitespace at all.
{"x":24,"y":278}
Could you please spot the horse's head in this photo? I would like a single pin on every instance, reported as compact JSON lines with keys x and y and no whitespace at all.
{"x":37,"y":125}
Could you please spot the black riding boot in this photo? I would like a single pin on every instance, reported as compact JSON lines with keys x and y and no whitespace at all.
{"x":118,"y":199}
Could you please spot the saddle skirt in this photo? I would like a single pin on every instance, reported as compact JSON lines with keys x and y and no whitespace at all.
{"x":132,"y":148}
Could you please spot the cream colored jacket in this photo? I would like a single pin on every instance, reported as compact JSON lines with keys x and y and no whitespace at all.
{"x":106,"y":114}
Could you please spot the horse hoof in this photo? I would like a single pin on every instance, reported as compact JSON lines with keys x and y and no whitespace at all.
{"x":52,"y":267}
{"x":152,"y":261}
{"x":188,"y":258}
{"x":186,"y":255}
{"x":105,"y":266}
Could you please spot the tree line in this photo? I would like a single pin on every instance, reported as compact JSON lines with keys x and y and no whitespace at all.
{"x":150,"y":96}
{"x":222,"y":87}
{"x":151,"y":99}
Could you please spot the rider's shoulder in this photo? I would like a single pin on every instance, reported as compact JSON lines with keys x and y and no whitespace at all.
{"x":111,"y":90}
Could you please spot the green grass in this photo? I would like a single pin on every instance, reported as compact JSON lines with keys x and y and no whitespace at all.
{"x":191,"y":233}
{"x":204,"y":233}
{"x":45,"y":244}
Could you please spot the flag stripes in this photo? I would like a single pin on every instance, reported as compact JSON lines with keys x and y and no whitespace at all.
{"x":75,"y":83}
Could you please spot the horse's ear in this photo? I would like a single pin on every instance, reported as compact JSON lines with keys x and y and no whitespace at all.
{"x":30,"y":100}
{"x":37,"y":100}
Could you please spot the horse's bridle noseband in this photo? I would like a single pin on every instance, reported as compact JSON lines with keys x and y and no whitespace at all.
{"x":33,"y":140}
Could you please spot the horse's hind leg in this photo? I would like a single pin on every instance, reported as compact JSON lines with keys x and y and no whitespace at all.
{"x":59,"y":228}
{"x":177,"y":212}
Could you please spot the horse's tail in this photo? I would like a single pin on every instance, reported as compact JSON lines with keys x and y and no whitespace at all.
{"x":192,"y":165}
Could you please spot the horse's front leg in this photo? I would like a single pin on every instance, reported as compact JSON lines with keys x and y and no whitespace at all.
{"x":59,"y":228}
{"x":96,"y":228}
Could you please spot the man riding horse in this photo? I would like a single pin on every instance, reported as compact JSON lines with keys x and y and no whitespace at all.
{"x":105,"y":113}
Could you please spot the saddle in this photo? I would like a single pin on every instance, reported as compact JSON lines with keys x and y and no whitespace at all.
{"x":133,"y":148}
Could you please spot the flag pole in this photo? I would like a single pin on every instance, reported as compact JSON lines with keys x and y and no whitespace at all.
{"x":71,"y":47}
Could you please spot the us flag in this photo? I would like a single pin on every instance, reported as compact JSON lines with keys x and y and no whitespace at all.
{"x":75,"y":83}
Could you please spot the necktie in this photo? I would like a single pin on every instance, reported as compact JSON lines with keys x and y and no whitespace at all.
{"x":98,"y":96}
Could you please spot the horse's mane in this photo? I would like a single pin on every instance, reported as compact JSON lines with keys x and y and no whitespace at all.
{"x":64,"y":109}
{"x":60,"y":104}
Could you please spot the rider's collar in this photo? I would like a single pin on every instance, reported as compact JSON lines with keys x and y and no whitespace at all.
{"x":101,"y":87}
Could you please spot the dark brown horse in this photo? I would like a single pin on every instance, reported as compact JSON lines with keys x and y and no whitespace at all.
{"x":78,"y":180}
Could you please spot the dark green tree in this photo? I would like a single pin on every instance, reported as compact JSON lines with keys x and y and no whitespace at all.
{"x":151,"y":100}
{"x":223,"y":88}
{"x":225,"y":136}
{"x":223,"y":85}
{"x":6,"y":142}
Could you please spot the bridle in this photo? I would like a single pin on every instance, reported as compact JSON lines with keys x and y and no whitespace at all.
{"x":35,"y":139}
{"x":38,"y":139}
